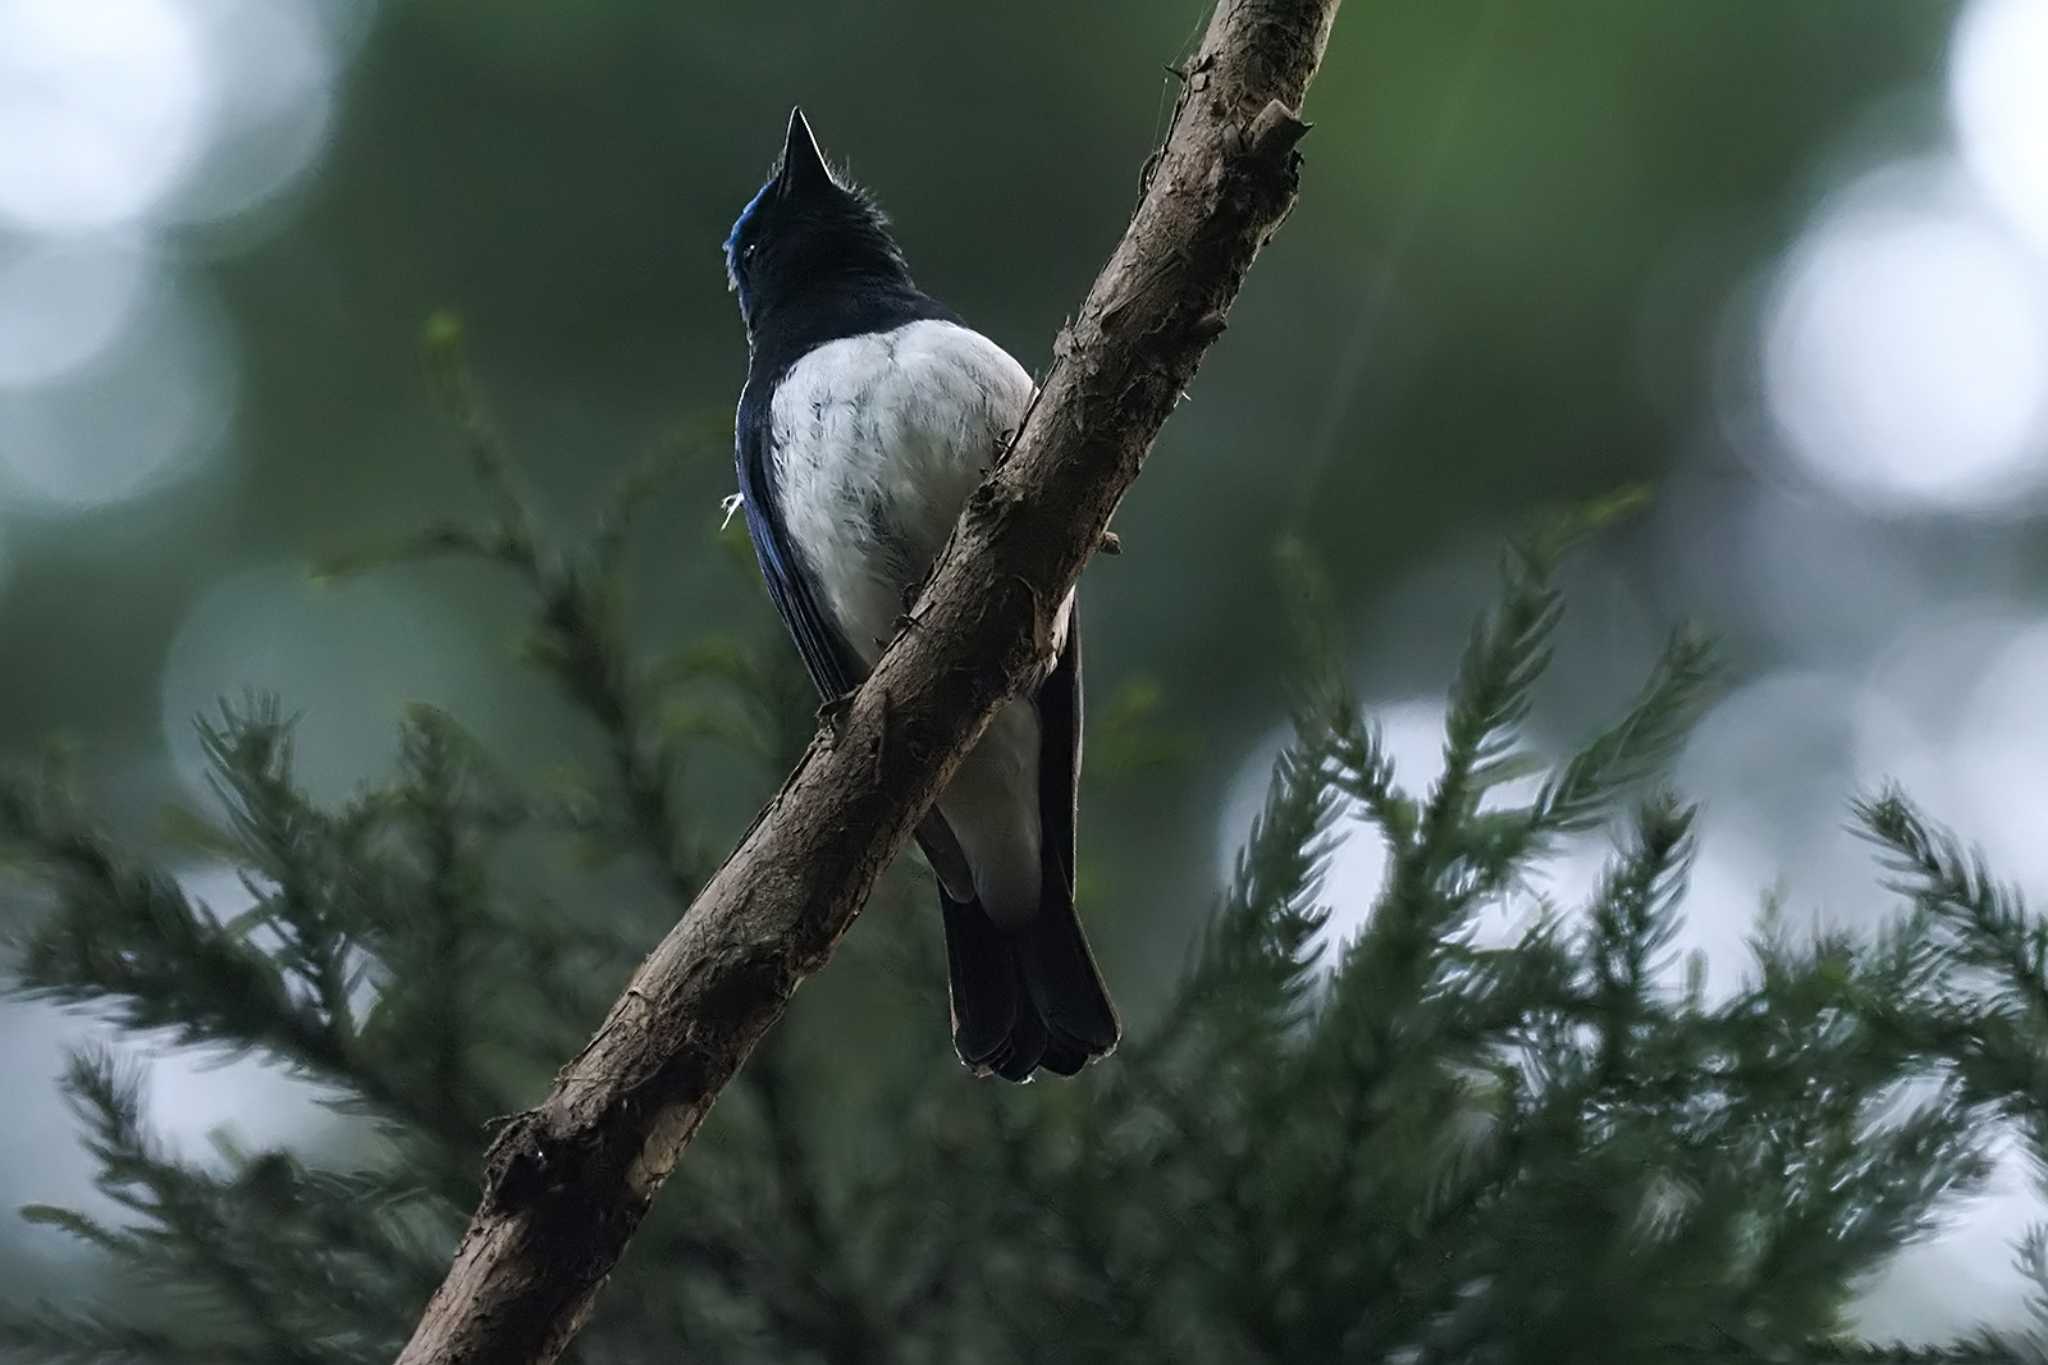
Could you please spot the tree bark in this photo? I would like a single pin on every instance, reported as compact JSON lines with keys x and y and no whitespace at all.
{"x":567,"y":1183}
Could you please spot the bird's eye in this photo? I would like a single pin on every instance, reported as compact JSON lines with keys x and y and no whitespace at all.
{"x":747,"y":252}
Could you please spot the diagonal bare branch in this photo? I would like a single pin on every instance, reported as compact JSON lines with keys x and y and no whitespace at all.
{"x":568,"y":1182}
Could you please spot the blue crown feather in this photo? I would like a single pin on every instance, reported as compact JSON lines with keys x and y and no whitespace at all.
{"x":732,"y":239}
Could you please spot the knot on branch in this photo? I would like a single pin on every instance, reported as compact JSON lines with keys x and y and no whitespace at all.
{"x":1039,"y":650}
{"x":1274,"y":134}
{"x":519,"y":1167}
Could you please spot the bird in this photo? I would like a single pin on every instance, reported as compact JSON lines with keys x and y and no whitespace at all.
{"x":870,"y":413}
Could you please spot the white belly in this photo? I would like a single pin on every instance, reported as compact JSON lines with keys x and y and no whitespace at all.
{"x":877,"y":441}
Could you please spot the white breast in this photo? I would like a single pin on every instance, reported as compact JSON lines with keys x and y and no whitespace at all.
{"x":877,"y":441}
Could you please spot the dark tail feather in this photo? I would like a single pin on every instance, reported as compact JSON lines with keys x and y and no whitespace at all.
{"x":1061,"y":979}
{"x":995,"y":1026}
{"x":1025,"y":1000}
{"x":1065,"y":986}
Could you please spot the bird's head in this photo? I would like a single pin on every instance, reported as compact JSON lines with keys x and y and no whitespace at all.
{"x":807,"y":230}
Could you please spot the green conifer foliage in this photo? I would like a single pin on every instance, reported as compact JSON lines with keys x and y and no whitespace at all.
{"x":1433,"y":1144}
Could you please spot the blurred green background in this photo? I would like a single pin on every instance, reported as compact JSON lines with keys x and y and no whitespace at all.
{"x":1786,"y":260}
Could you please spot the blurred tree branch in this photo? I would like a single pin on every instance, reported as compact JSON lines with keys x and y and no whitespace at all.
{"x":567,"y":1183}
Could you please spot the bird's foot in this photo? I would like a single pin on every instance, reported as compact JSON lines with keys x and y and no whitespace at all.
{"x":730,"y":504}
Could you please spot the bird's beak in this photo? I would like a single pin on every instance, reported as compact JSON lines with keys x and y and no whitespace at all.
{"x":803,"y":165}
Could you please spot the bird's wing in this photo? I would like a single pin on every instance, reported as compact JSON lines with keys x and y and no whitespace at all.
{"x":827,"y":657}
{"x":834,"y":668}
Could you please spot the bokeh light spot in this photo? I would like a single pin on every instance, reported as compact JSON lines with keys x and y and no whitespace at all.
{"x":1998,"y":95}
{"x":2004,"y":750}
{"x":62,"y":303}
{"x":269,"y":104}
{"x":347,"y":658}
{"x":1905,"y":357}
{"x":154,"y":410}
{"x":100,"y":108}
